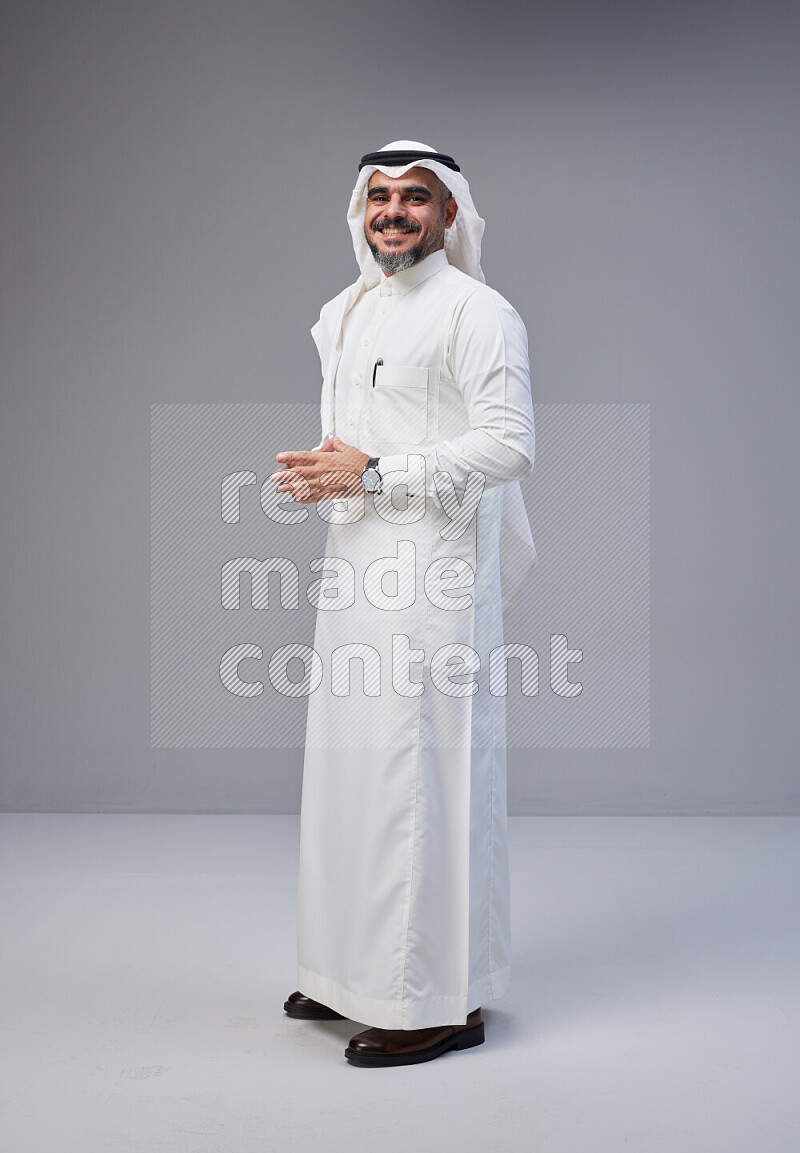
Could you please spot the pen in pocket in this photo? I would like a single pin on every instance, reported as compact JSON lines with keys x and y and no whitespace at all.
{"x":375,"y":369}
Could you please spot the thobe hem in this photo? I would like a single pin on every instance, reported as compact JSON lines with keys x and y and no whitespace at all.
{"x":388,"y":1014}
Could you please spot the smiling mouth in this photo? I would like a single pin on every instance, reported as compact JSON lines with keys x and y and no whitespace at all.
{"x":394,"y":231}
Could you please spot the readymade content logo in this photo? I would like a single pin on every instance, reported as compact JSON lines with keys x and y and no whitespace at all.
{"x":231,"y":555}
{"x":446,"y":583}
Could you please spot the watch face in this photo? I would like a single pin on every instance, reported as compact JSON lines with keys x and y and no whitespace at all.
{"x":370,"y":479}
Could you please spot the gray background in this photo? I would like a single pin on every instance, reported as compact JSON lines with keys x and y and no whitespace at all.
{"x":175,"y":180}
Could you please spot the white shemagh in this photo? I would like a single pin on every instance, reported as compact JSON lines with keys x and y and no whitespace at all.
{"x":462,"y":242}
{"x":463,"y":250}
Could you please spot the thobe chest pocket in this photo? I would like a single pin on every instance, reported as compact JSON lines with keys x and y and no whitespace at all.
{"x":398,"y":404}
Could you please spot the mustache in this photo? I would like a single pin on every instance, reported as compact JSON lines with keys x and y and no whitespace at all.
{"x":402,"y":225}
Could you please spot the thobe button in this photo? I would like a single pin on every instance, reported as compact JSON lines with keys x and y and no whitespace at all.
{"x":350,"y":420}
{"x":365,"y":343}
{"x":356,"y":380}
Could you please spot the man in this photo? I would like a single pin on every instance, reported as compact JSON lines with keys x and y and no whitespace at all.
{"x":427,"y":427}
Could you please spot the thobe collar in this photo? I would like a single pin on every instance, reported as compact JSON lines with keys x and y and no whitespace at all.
{"x":402,"y":282}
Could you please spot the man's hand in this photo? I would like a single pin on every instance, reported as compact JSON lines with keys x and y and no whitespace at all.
{"x":329,"y":472}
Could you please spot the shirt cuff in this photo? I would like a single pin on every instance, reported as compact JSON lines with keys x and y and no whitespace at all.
{"x":404,"y":468}
{"x":398,"y":463}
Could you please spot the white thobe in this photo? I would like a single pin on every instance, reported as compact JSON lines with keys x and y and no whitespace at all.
{"x":403,"y":888}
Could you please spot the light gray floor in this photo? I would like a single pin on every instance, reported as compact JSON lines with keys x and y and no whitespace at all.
{"x":654,"y":1001}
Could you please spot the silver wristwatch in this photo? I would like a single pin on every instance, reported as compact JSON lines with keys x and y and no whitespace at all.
{"x":371,"y":478}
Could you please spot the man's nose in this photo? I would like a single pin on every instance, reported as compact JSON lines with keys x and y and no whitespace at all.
{"x":395,"y":207}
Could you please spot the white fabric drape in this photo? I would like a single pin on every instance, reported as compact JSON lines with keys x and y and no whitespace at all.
{"x":403,"y":911}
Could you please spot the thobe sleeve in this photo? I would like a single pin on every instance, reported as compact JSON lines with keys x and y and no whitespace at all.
{"x":487,"y":357}
{"x":325,"y":334}
{"x":318,"y":336}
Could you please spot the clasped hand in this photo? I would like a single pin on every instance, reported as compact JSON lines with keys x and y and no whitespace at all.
{"x":331,"y":471}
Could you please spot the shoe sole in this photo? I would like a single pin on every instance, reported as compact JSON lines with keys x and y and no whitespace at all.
{"x":465,"y":1040}
{"x":303,"y":1013}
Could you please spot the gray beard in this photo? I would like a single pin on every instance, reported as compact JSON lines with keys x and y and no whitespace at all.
{"x":391,"y":262}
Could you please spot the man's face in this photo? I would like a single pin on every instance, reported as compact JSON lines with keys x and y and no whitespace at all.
{"x":406,"y":217}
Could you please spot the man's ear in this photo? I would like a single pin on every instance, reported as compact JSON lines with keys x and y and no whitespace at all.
{"x":450,"y":211}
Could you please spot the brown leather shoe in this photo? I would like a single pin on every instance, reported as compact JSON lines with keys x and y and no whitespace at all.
{"x":299,"y":1005}
{"x":375,"y":1047}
